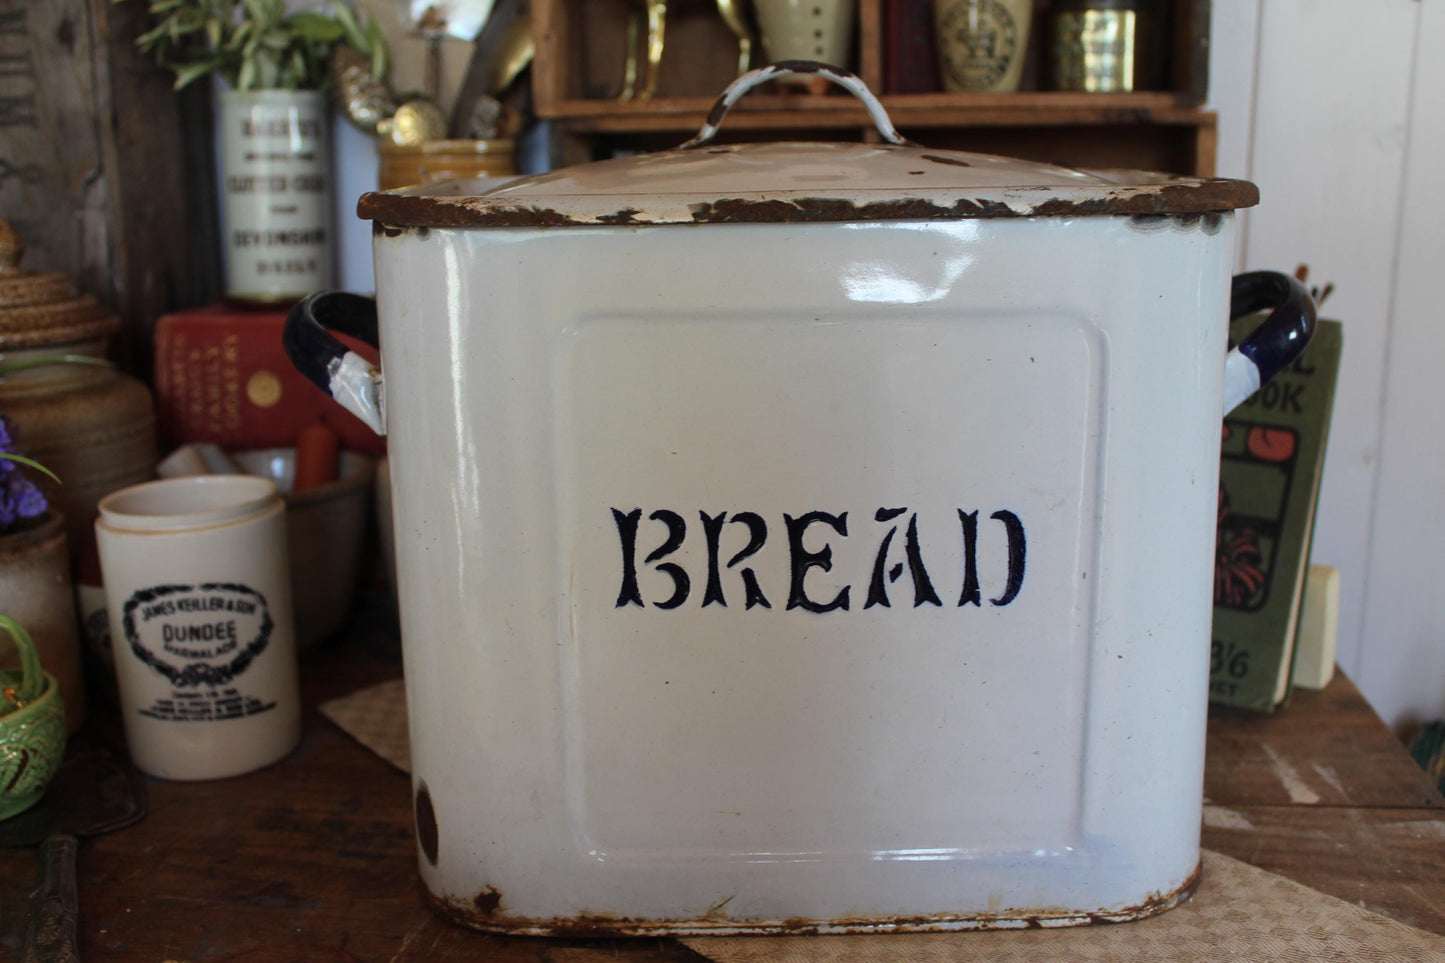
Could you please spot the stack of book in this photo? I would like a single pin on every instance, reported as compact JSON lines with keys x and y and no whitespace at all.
{"x":1269,"y":481}
{"x":222,"y":376}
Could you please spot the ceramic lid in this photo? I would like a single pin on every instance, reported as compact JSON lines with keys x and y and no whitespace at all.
{"x":702,"y":182}
{"x":44,"y":308}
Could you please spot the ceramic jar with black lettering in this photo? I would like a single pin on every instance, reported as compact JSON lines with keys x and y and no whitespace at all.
{"x":982,"y":44}
{"x":276,"y":194}
{"x":198,"y":588}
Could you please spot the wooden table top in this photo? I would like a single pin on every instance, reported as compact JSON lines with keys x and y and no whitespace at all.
{"x":312,"y":859}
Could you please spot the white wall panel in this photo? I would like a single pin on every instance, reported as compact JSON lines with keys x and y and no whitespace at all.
{"x":1331,"y":111}
{"x":1233,"y":50}
{"x":1402,"y":668}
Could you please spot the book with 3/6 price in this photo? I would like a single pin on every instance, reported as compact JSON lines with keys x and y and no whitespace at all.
{"x":221,"y":375}
{"x":1273,"y":453}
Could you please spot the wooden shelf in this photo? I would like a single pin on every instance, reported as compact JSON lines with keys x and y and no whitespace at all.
{"x":577,"y":75}
{"x":773,"y":110}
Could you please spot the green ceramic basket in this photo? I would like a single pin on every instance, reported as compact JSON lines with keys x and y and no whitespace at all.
{"x":32,"y":726}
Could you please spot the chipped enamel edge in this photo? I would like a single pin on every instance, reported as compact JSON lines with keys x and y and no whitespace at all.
{"x":1180,"y":196}
{"x":1241,"y":379}
{"x":482,"y":914}
{"x":357,"y":385}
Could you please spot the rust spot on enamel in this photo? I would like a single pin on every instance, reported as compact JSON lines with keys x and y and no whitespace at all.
{"x":484,"y":912}
{"x":624,"y":216}
{"x":745,"y":211}
{"x":940,"y":159}
{"x":426,"y":825}
{"x":488,"y":901}
{"x":411,"y":210}
{"x":1209,"y":222}
{"x":1197,"y":200}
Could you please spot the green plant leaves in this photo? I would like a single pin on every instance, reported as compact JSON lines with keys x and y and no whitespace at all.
{"x":30,"y":463}
{"x":194,"y":71}
{"x":257,"y":44}
{"x":246,"y":76}
{"x":317,"y":27}
{"x":376,"y":43}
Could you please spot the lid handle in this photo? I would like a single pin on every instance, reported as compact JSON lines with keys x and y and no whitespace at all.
{"x":753,"y":78}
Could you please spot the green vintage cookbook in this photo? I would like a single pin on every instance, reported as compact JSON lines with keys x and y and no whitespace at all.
{"x":1272,"y":456}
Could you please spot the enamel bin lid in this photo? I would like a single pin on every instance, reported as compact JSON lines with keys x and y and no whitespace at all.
{"x":702,"y":183}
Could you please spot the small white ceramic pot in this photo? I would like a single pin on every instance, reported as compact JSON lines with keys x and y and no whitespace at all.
{"x":198,"y":591}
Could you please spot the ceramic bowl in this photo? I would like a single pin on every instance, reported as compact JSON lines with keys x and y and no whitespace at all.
{"x":325,"y":533}
{"x":32,"y":744}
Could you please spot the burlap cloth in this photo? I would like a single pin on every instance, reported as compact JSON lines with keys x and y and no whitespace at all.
{"x":1239,"y":913}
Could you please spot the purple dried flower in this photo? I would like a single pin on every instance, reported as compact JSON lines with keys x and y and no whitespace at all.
{"x":19,"y":498}
{"x":28,"y":500}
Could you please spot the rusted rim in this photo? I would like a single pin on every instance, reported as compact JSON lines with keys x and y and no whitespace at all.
{"x":484,"y":913}
{"x":1183,"y":196}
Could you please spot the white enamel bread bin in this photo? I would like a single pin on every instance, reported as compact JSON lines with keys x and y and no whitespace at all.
{"x":805,"y":537}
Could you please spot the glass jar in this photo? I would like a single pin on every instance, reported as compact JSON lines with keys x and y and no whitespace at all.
{"x":1099,"y":46}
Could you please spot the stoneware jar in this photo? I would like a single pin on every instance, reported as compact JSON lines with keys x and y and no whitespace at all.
{"x":73,"y":412}
{"x":982,"y":44}
{"x":805,"y":536}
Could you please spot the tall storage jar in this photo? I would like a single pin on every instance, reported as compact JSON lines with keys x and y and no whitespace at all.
{"x":90,"y":424}
{"x":71,"y":410}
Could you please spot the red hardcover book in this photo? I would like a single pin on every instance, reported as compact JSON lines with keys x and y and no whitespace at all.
{"x":222,"y":376}
{"x":910,"y":53}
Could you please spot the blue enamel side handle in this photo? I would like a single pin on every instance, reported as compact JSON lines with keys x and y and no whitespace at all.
{"x":1276,"y":343}
{"x":330,"y":365}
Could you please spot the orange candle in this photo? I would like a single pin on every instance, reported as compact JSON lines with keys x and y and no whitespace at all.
{"x":315,"y":457}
